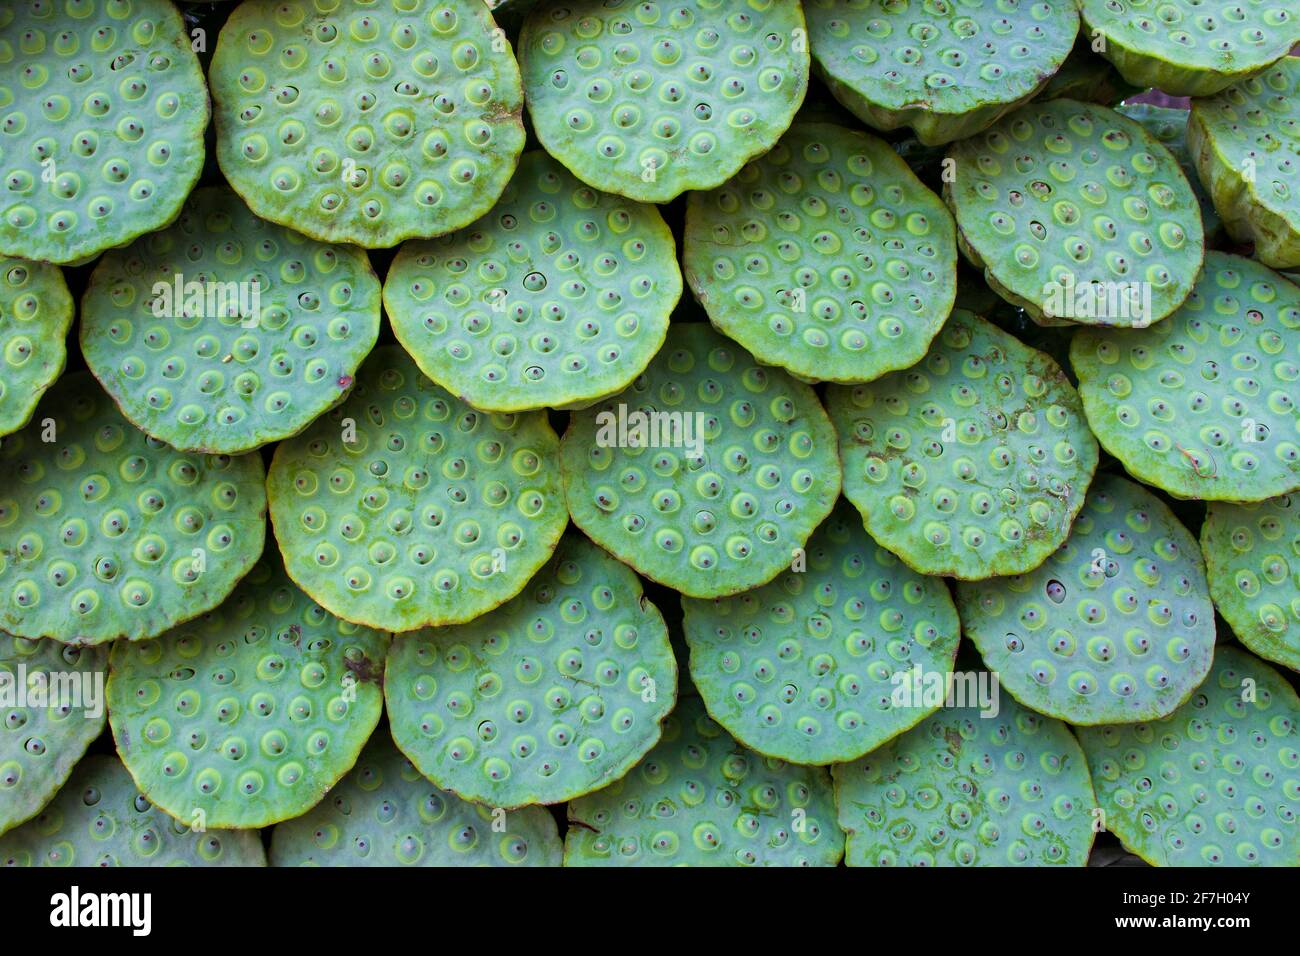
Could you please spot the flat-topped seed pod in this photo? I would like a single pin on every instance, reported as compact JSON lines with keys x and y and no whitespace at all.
{"x":1077,"y":213}
{"x":1115,"y":627}
{"x":803,"y":668}
{"x":648,"y":100}
{"x":974,"y":462}
{"x":366,"y":121}
{"x":826,"y":256}
{"x":946,"y":68}
{"x":702,"y":799}
{"x":1203,"y":405}
{"x":224,"y":332}
{"x":404,"y":507}
{"x":115,"y":534}
{"x":250,"y":714}
{"x":52,"y":702}
{"x":970,"y":788}
{"x":1212,"y":784}
{"x":35,"y":315}
{"x":708,"y":472}
{"x":555,"y":694}
{"x":559,"y":296}
{"x":1170,"y":127}
{"x":1252,"y":555}
{"x":385,"y":813}
{"x":99,"y":818}
{"x":104,"y":112}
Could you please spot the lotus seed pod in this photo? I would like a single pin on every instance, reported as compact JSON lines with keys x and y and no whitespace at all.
{"x":1203,"y":405}
{"x":557,"y":693}
{"x":109,"y":533}
{"x":1190,"y":47}
{"x":947,"y":68}
{"x":1170,"y":127}
{"x":1076,"y":213}
{"x":100,"y":819}
{"x":1245,"y":145}
{"x":384,"y":813}
{"x":974,"y":462}
{"x":971,"y":786}
{"x":649,"y":100}
{"x":52,"y":699}
{"x":35,"y":315}
{"x":1252,"y":554}
{"x":363,"y":121}
{"x":248,"y":715}
{"x":1212,"y":784}
{"x":1115,"y":627}
{"x":224,"y":332}
{"x":559,"y":296}
{"x":1087,"y":77}
{"x":105,"y":108}
{"x":708,"y":473}
{"x":404,"y":507}
{"x":702,"y":799}
{"x":855,"y":287}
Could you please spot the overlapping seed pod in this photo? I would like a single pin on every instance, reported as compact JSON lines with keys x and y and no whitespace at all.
{"x":35,"y":315}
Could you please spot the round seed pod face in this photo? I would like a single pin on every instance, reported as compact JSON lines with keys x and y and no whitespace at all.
{"x":708,"y":472}
{"x":702,"y":799}
{"x":1115,"y":627}
{"x":405,"y":507}
{"x":649,"y":100}
{"x":35,"y":315}
{"x":1077,"y":213}
{"x":801,"y":668}
{"x":965,"y":789}
{"x":1203,"y":404}
{"x":974,"y":462}
{"x":559,"y":296}
{"x":826,"y":256}
{"x":100,"y":819}
{"x":53,"y":708}
{"x":551,"y":696}
{"x":1170,"y":127}
{"x":1212,"y":784}
{"x":1252,"y":554}
{"x":366,"y":122}
{"x":946,"y":68}
{"x":105,"y":111}
{"x":224,"y":332}
{"x":114,"y":533}
{"x":248,"y":715}
{"x":385,"y":813}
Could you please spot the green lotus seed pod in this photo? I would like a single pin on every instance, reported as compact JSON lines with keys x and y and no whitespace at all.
{"x":1087,"y":77}
{"x":1170,"y":127}
{"x":35,"y":315}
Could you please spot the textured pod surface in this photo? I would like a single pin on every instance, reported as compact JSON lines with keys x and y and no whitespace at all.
{"x":366,"y":121}
{"x":1203,"y":404}
{"x":974,"y":462}
{"x":1077,"y":213}
{"x":707,"y":472}
{"x":649,"y":100}
{"x":1217,"y":782}
{"x":100,"y":819}
{"x":248,"y":715}
{"x":702,"y":799}
{"x":1170,"y":127}
{"x":1115,"y":627}
{"x":224,"y":332}
{"x":803,"y":667}
{"x":559,"y":296}
{"x":115,"y":534}
{"x":826,"y":256}
{"x":52,"y":706}
{"x":35,"y":315}
{"x":105,"y":109}
{"x":404,"y":507}
{"x":555,"y":694}
{"x":385,"y":813}
{"x":964,"y":789}
{"x":1252,"y":555}
{"x":946,"y":68}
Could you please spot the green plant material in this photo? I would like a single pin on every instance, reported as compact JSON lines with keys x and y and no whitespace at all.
{"x":35,"y":315}
{"x":1170,"y":127}
{"x":1088,"y":77}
